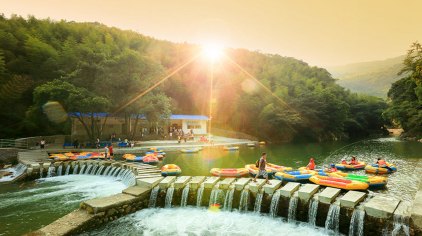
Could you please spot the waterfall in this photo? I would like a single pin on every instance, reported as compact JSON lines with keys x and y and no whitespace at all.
{"x":244,"y":200}
{"x":153,"y":197}
{"x":41,"y":170}
{"x":356,"y":223}
{"x":94,"y":169}
{"x":292,"y":210}
{"x":169,"y":197}
{"x":19,"y":169}
{"x":99,"y":170}
{"x":258,"y":202}
{"x":400,"y":222}
{"x":88,"y":169}
{"x":59,"y":170}
{"x":110,"y":173}
{"x":199,"y":195}
{"x":50,"y":172}
{"x":185,"y":195}
{"x":75,"y":169}
{"x":332,"y":222}
{"x":107,"y":170}
{"x":82,"y":169}
{"x":312,"y":213}
{"x":67,"y":169}
{"x":214,"y":195}
{"x":228,"y":201}
{"x":118,"y":172}
{"x":274,"y":204}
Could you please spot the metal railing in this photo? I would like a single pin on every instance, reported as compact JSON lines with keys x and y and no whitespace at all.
{"x":13,"y":143}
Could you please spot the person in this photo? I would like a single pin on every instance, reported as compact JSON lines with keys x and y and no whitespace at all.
{"x":110,"y":149}
{"x":383,"y":164}
{"x":97,"y":143}
{"x":332,"y":168}
{"x":262,"y":172}
{"x":311,"y":164}
{"x":353,"y":161}
{"x":42,"y":143}
{"x":76,"y":143}
{"x":343,"y":161}
{"x":106,"y":152}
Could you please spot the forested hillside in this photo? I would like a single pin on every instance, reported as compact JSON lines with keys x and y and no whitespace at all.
{"x":90,"y":67}
{"x":373,"y":78}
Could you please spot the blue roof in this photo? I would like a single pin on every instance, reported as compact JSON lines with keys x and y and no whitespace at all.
{"x":172,"y":117}
{"x":188,"y":117}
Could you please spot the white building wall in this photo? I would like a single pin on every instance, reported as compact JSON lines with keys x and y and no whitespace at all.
{"x":200,"y":126}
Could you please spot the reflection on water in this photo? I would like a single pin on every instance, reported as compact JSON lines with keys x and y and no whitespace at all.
{"x":31,"y":205}
{"x":198,"y":221}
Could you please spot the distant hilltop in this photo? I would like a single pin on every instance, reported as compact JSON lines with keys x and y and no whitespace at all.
{"x":372,"y":77}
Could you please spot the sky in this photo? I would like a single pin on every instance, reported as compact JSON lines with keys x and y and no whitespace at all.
{"x":319,"y":32}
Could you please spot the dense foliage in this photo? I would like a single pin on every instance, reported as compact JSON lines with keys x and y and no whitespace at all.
{"x":406,"y":94}
{"x":90,"y":68}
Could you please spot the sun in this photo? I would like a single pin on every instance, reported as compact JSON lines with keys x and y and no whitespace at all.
{"x":212,"y":52}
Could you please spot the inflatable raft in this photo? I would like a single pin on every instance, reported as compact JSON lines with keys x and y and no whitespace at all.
{"x":341,"y":183}
{"x":277,"y":168}
{"x":229,"y":172}
{"x":375,"y":169}
{"x":192,"y":150}
{"x":150,"y":159}
{"x":295,"y":176}
{"x":372,"y":181}
{"x":234,"y":148}
{"x":251,"y":144}
{"x":253,"y":170}
{"x":59,"y":157}
{"x":359,"y":166}
{"x":170,"y":170}
{"x":131,"y":157}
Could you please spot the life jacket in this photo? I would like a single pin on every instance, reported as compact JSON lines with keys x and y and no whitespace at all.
{"x":344,"y":162}
{"x":333,"y":169}
{"x":353,"y":162}
{"x":311,"y":165}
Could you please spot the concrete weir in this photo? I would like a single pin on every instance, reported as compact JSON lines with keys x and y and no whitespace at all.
{"x":293,"y":201}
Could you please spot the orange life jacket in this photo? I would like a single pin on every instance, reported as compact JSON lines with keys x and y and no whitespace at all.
{"x":311,"y":165}
{"x":333,"y":169}
{"x":353,"y":162}
{"x":344,"y":162}
{"x":382,"y":163}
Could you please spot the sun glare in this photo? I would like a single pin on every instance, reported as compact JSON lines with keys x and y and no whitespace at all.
{"x":212,"y":51}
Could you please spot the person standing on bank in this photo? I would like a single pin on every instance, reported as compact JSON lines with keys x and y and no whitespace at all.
{"x":262,"y":172}
{"x":106,"y":152}
{"x":110,"y":149}
{"x":42,"y":143}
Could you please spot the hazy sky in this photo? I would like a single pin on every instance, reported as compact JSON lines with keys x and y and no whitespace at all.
{"x":320,"y":32}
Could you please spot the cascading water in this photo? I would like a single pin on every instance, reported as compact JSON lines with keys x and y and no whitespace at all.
{"x":258,"y":202}
{"x":59,"y":170}
{"x":199,"y":195}
{"x":67,"y":170}
{"x":93,"y":170}
{"x":88,"y":169}
{"x":274,"y":204}
{"x":401,"y":223}
{"x":185,"y":194}
{"x":215,"y":193}
{"x":117,"y":172}
{"x":17,"y":171}
{"x":50,"y":172}
{"x":111,"y":173}
{"x":312,"y":213}
{"x":228,"y":201}
{"x":292,"y":209}
{"x":41,"y":171}
{"x":332,"y":222}
{"x":153,"y":197}
{"x":75,"y":169}
{"x":169,"y":197}
{"x":82,"y":169}
{"x":107,"y":170}
{"x":99,"y":170}
{"x":244,"y":200}
{"x":356,"y":223}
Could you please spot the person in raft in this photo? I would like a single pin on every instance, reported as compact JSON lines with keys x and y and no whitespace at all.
{"x":262,"y":172}
{"x":354,"y":161}
{"x":343,"y":161}
{"x":383,"y":164}
{"x":332,"y":168}
{"x":311,"y":165}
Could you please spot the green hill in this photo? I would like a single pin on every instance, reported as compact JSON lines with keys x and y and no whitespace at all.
{"x":374,"y":77}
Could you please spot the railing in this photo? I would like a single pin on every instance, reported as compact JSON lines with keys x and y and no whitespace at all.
{"x":12,"y":143}
{"x":33,"y":142}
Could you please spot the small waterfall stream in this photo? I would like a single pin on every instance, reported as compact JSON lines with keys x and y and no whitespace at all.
{"x":244,"y":200}
{"x":169,"y":197}
{"x":215,"y":193}
{"x":332,"y":222}
{"x":88,"y":169}
{"x":99,"y":170}
{"x":199,"y":195}
{"x":75,"y":169}
{"x":82,"y":169}
{"x":274,"y":204}
{"x":312,"y":213}
{"x":153,"y":197}
{"x":67,"y":170}
{"x":50,"y":172}
{"x":59,"y":170}
{"x":41,"y":171}
{"x":111,"y":172}
{"x":228,"y":201}
{"x":356,"y":223}
{"x":185,"y":195}
{"x":258,"y":202}
{"x":94,"y":169}
{"x":107,"y":170}
{"x":292,"y":209}
{"x":401,"y":223}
